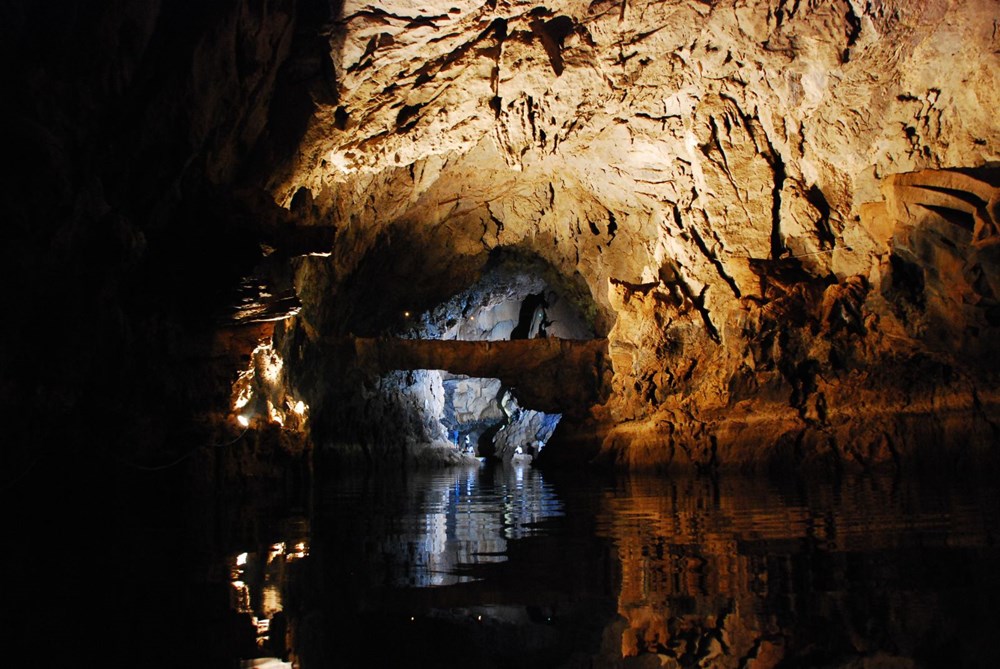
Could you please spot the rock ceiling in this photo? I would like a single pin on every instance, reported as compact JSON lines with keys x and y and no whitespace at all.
{"x":718,"y":174}
{"x":781,"y":215}
{"x":622,"y":138}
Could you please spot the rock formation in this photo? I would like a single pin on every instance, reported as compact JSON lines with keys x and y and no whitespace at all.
{"x":781,"y":216}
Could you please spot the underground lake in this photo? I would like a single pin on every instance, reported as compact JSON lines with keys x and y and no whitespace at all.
{"x":510,"y":566}
{"x":500,"y":334}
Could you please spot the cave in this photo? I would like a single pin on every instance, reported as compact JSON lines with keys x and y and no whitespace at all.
{"x":486,"y":371}
{"x":303,"y":296}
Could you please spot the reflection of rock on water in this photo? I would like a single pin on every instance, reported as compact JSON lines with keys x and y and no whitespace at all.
{"x":450,"y":518}
{"x":646,"y":571}
{"x":733,"y":576}
{"x":257,"y":585}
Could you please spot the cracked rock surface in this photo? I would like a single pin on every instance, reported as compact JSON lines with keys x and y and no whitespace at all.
{"x":725,"y":185}
{"x":781,"y":215}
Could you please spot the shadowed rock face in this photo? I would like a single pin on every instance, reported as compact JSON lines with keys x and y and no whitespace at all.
{"x":782,"y":217}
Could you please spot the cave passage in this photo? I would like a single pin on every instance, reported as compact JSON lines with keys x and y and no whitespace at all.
{"x":489,"y":370}
{"x":498,"y":399}
{"x":290,"y":239}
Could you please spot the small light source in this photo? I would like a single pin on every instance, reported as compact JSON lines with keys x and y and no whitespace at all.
{"x":406,"y":314}
{"x":299,"y":408}
{"x":241,"y":559}
{"x":243,"y":420}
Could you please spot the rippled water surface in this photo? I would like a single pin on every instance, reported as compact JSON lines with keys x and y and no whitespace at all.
{"x":505,"y":567}
{"x":426,"y":529}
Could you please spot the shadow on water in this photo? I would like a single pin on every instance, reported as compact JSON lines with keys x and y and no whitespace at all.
{"x":502,"y":567}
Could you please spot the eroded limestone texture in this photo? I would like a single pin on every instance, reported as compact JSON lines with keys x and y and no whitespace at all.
{"x":782,"y":215}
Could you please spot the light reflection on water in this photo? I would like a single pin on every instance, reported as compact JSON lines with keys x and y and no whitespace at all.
{"x":421,"y":528}
{"x":257,"y":579}
{"x":507,"y":568}
{"x":720,"y":573}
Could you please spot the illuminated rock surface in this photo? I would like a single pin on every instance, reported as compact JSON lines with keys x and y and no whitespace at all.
{"x":781,"y":216}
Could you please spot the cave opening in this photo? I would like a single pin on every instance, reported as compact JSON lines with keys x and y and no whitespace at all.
{"x":485,"y":373}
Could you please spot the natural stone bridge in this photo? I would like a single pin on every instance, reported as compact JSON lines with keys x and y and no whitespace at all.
{"x":551,"y":375}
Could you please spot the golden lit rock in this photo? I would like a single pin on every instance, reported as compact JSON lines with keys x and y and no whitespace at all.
{"x":782,"y":218}
{"x":776,"y":214}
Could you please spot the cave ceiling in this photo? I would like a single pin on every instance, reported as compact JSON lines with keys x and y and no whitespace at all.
{"x":720,"y":176}
{"x":781,"y":216}
{"x":619,"y":139}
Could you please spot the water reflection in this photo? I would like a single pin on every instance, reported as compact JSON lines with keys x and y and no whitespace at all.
{"x":257,"y":582}
{"x":740,"y":573}
{"x":505,"y":568}
{"x":427,"y":528}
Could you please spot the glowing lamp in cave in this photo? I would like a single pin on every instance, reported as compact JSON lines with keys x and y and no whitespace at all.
{"x":243,"y":420}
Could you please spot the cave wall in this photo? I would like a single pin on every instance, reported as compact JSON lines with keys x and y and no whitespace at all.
{"x":725,"y":190}
{"x":709,"y":172}
{"x":134,"y":134}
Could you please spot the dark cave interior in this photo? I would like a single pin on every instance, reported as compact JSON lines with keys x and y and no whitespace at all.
{"x":255,"y":243}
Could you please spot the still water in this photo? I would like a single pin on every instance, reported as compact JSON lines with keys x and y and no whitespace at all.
{"x":507,"y":567}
